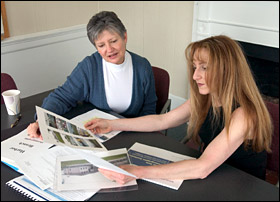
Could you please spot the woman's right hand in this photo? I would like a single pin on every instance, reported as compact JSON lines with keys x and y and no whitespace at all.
{"x":118,"y":177}
{"x":34,"y":131}
{"x":99,"y":126}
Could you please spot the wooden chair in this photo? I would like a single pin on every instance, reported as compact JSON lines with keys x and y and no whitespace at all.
{"x":7,"y":83}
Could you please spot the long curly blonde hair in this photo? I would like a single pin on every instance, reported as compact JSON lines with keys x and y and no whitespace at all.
{"x":230,"y":80}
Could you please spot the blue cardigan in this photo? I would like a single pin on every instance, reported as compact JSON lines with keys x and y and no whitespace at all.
{"x":86,"y":83}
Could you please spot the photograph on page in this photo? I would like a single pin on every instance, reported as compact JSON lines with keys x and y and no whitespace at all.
{"x":58,"y":130}
{"x":74,"y":172}
{"x":40,"y":167}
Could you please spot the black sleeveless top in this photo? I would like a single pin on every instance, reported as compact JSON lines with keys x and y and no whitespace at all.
{"x":247,"y":160}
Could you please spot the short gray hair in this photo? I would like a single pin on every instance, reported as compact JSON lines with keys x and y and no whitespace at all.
{"x":104,"y":20}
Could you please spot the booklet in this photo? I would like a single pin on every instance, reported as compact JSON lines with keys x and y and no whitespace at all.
{"x":144,"y":155}
{"x":25,"y":187}
{"x":95,"y":113}
{"x":73,"y":172}
{"x":58,"y":130}
{"x":16,"y":147}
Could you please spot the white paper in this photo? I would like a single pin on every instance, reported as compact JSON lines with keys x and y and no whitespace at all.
{"x":74,"y":173}
{"x":40,"y":167}
{"x":58,"y":130}
{"x":144,"y":155}
{"x":100,"y":163}
{"x":95,"y":113}
{"x":17,"y":146}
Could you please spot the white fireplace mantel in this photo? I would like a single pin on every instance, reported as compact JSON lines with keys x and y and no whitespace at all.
{"x":249,"y":21}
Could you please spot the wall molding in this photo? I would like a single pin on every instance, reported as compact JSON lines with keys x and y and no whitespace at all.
{"x":255,"y":27}
{"x":238,"y":25}
{"x":25,"y":42}
{"x":35,"y":58}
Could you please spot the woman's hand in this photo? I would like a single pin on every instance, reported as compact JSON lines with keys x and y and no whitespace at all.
{"x":99,"y":126}
{"x":118,"y":177}
{"x":34,"y":131}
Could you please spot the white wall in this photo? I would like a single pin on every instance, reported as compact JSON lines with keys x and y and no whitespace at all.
{"x":40,"y":62}
{"x":249,"y":21}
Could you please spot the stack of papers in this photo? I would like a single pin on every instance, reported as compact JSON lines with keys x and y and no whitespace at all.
{"x":20,"y":145}
{"x":46,"y":164}
{"x":65,"y":165}
{"x":26,"y":187}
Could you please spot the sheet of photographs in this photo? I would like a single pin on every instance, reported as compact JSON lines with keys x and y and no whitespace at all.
{"x":60,"y":130}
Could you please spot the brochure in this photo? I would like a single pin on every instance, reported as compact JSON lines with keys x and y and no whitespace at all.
{"x":17,"y":146}
{"x":58,"y":130}
{"x":74,"y":172}
{"x":144,"y":155}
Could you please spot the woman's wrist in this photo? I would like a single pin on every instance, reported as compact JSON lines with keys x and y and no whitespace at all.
{"x":140,"y":171}
{"x":111,"y":125}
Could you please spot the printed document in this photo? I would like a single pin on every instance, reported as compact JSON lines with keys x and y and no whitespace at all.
{"x":58,"y":130}
{"x":14,"y":148}
{"x":99,"y":162}
{"x":40,"y":167}
{"x":75,"y":173}
{"x":144,"y":155}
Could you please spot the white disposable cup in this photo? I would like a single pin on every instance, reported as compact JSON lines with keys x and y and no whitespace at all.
{"x":12,"y":101}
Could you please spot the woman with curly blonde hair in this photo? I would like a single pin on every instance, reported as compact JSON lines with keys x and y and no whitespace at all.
{"x":225,"y":111}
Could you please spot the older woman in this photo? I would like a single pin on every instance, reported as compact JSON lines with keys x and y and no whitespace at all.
{"x":112,"y":79}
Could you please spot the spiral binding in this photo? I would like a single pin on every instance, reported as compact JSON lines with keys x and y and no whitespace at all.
{"x":25,"y":193}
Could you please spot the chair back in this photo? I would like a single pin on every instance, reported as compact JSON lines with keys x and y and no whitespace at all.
{"x":273,"y":157}
{"x":7,"y":83}
{"x":162,"y":87}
